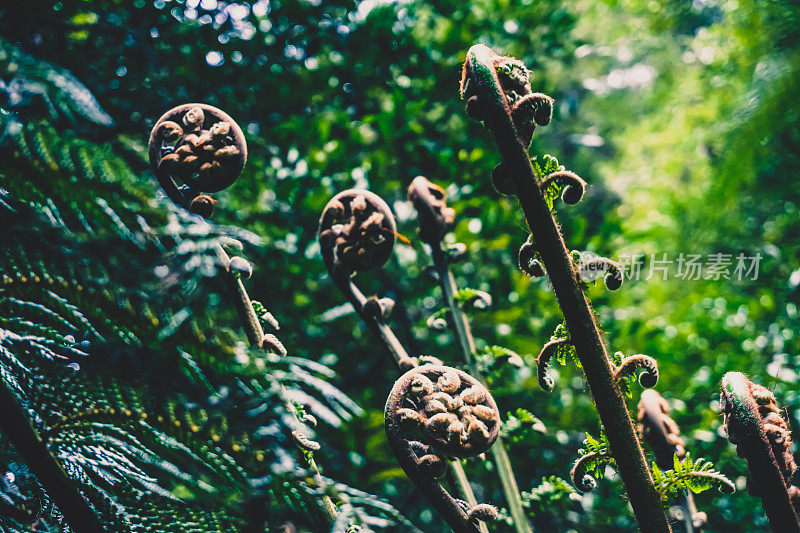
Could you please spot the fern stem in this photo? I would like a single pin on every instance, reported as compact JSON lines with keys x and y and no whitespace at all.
{"x":389,"y":341}
{"x":244,"y":307}
{"x":745,"y":425}
{"x":463,"y":332}
{"x":616,"y":420}
{"x":255,"y":335}
{"x":29,"y":444}
{"x":456,"y":475}
{"x":690,"y":510}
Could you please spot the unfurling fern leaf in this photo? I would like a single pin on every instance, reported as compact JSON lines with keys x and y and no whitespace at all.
{"x":687,"y":475}
{"x":593,"y":459}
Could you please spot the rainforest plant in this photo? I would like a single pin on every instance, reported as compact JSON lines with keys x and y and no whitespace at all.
{"x":128,"y":405}
{"x":497,"y":91}
{"x":754,"y":424}
{"x":435,"y":220}
{"x":142,"y":387}
{"x":663,"y":436}
{"x":357,"y":233}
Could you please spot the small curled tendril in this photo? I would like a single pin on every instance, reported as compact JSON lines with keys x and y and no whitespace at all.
{"x":308,"y":418}
{"x":574,"y":186}
{"x":588,"y":269}
{"x":550,"y":349}
{"x":437,"y":323}
{"x":648,"y":378}
{"x":196,"y":148}
{"x":478,"y":299}
{"x":379,"y":308}
{"x":456,"y":252}
{"x":435,"y":412}
{"x":528,"y":259}
{"x":435,"y":218}
{"x":579,"y":473}
{"x":483,"y":511}
{"x":272,"y":344}
{"x":356,"y":232}
{"x":240,"y":267}
{"x":658,"y":428}
{"x":304,"y":442}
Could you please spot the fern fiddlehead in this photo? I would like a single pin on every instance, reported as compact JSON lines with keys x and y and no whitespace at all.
{"x":435,"y":220}
{"x":592,"y":460}
{"x":559,"y":347}
{"x":204,"y":148}
{"x":495,"y":89}
{"x":649,"y":376}
{"x":200,"y":146}
{"x":434,"y":413}
{"x":357,"y":232}
{"x":753,"y":423}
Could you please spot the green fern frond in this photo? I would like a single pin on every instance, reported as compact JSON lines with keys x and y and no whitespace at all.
{"x":688,"y":475}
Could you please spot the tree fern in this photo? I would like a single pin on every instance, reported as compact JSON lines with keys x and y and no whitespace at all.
{"x":160,"y":416}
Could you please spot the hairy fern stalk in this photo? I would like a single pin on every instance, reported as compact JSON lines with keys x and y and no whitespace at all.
{"x":133,"y":408}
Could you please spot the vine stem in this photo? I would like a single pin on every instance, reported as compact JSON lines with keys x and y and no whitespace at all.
{"x":456,"y":475}
{"x":625,"y":446}
{"x":255,"y":334}
{"x":463,"y":333}
{"x":34,"y":451}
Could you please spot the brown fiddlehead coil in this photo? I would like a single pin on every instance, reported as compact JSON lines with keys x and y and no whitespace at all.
{"x":435,"y":413}
{"x":196,"y":149}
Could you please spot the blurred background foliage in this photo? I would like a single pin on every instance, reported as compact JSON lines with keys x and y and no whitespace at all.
{"x":682,"y":116}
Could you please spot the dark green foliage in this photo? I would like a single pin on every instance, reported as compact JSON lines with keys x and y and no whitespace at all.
{"x":552,"y":495}
{"x":700,"y":159}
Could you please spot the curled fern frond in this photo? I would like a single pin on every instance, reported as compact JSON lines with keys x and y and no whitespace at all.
{"x":591,"y":266}
{"x":477,"y":298}
{"x":753,"y":422}
{"x":594,"y":457}
{"x":648,"y":378}
{"x":560,"y":347}
{"x":201,"y":147}
{"x":438,"y":321}
{"x":435,"y":218}
{"x":658,"y":428}
{"x":356,"y":232}
{"x":455,"y":416}
{"x":567,"y":182}
{"x":579,"y":475}
{"x":529,"y":260}
{"x":549,"y":350}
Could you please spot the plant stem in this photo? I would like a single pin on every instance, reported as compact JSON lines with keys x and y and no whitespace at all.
{"x":690,"y":509}
{"x":456,"y":476}
{"x":752,"y":443}
{"x":389,"y":341}
{"x":616,"y":420}
{"x":255,"y":334}
{"x":33,"y":450}
{"x":463,"y":333}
